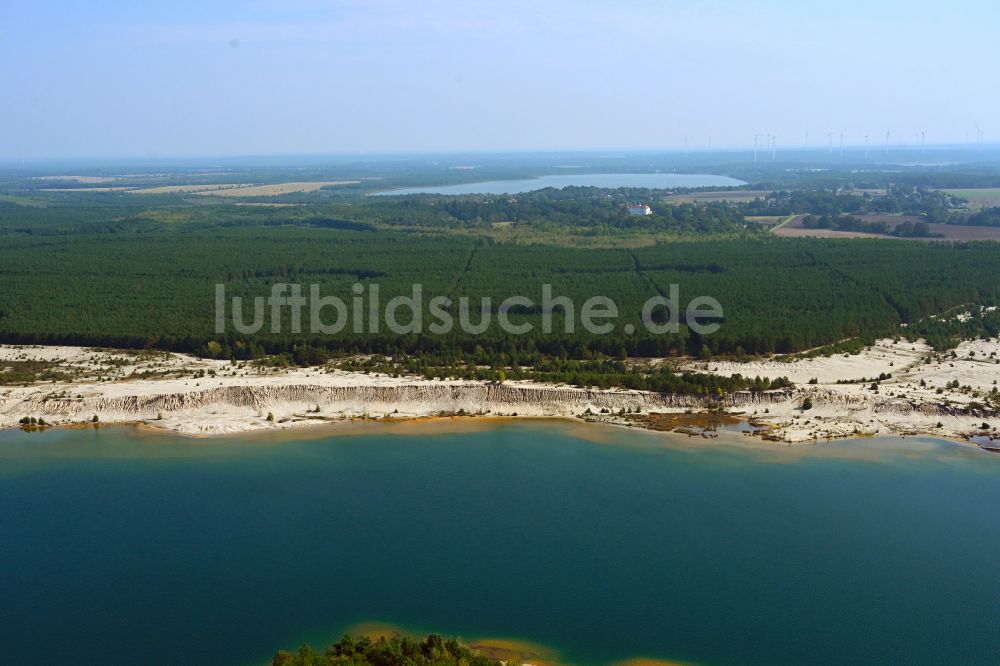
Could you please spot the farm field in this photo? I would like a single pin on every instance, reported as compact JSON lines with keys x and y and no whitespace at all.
{"x":946,"y":232}
{"x":93,"y":184}
{"x":789,"y":231}
{"x":274,"y":189}
{"x":85,"y":189}
{"x":82,"y":179}
{"x":978,"y":198}
{"x":738,"y":196}
{"x":182,"y":189}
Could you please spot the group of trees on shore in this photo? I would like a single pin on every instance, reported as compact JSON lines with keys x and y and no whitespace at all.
{"x":600,"y":373}
{"x":396,"y":650}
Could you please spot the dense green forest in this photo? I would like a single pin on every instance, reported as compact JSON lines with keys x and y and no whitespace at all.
{"x":109,"y":268}
{"x":570,"y":206}
{"x":156,"y":289}
{"x":591,"y":209}
{"x":394,"y":651}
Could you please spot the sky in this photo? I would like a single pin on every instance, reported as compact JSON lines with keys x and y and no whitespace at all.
{"x":265,"y":77}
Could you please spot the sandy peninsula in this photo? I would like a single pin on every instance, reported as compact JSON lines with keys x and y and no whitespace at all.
{"x":950,"y":394}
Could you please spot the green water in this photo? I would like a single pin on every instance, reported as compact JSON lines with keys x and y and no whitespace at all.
{"x":126,"y":548}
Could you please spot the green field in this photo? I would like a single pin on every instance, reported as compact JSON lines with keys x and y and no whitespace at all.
{"x":984,"y":197}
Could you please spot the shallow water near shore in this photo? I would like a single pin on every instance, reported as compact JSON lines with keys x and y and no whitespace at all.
{"x":122,"y":546}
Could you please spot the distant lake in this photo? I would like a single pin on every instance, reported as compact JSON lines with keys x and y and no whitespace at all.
{"x":611,"y":180}
{"x":122,"y":547}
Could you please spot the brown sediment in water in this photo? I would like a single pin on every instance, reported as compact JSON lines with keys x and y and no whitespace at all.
{"x":693,"y":423}
{"x":592,"y":431}
{"x":86,"y":425}
{"x":377,"y":630}
{"x":524,"y":652}
{"x":404,"y":426}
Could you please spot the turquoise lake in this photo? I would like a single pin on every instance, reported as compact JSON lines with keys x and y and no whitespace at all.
{"x":124,"y":547}
{"x":613,"y":180}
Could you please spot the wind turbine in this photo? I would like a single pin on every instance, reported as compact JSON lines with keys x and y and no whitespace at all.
{"x":887,"y":142}
{"x":829,"y":142}
{"x":866,"y":146}
{"x":923,"y":138}
{"x":685,"y":147}
{"x":755,"y":136}
{"x":841,"y":145}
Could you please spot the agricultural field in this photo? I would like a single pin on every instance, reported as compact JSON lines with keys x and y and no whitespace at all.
{"x":940,"y":232}
{"x":82,"y":179}
{"x":86,"y":189}
{"x":275,"y":189}
{"x":735,"y":196}
{"x":184,"y":189}
{"x":213,"y":189}
{"x":978,"y":198}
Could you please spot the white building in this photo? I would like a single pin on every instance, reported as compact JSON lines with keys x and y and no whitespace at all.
{"x":639,"y":209}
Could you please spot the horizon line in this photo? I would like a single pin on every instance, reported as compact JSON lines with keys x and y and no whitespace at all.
{"x":689,"y":150}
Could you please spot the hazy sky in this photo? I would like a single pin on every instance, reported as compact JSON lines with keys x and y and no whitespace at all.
{"x":128,"y":78}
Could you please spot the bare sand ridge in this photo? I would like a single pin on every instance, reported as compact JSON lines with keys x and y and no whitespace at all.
{"x":900,"y":405}
{"x":198,"y":396}
{"x":207,"y":397}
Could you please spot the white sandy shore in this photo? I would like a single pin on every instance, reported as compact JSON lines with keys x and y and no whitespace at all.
{"x":901,"y":404}
{"x":171,"y":391}
{"x":205,"y":397}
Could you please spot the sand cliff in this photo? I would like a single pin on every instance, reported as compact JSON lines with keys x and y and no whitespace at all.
{"x":197,"y":396}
